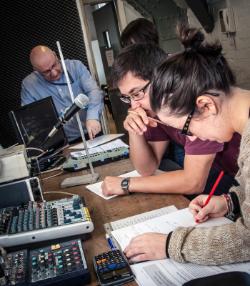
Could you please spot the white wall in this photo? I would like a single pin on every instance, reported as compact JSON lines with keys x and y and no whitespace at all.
{"x":131,"y":13}
{"x":126,"y":14}
{"x":236,"y":49}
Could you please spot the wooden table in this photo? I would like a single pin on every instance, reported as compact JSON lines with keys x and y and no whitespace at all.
{"x":103,"y":211}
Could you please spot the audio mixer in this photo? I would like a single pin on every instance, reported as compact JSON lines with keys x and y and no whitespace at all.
{"x":35,"y":222}
{"x":57,"y":264}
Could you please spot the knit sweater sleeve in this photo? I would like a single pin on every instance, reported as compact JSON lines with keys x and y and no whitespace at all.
{"x":210,"y":246}
{"x":221,"y":244}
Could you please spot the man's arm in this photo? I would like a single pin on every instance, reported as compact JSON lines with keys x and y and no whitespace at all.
{"x":190,"y":180}
{"x":90,"y":88}
{"x":26,"y":96}
{"x":146,"y":156}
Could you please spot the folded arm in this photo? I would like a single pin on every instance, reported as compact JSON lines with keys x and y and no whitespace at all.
{"x":190,"y":180}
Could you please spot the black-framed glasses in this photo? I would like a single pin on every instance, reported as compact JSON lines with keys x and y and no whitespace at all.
{"x":212,"y":93}
{"x":136,"y":96}
{"x":185,"y":129}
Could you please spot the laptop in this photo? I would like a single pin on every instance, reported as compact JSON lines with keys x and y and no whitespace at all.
{"x":32,"y":124}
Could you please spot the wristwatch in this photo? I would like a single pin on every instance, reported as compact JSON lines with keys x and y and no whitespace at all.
{"x":125,"y":186}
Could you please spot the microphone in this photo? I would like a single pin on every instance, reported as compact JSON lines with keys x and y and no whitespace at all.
{"x":80,"y":102}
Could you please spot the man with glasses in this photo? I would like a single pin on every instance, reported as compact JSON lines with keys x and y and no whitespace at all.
{"x":48,"y":79}
{"x":148,"y":137}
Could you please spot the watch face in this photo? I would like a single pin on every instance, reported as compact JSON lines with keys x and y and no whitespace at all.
{"x":124,"y":183}
{"x":125,"y":186}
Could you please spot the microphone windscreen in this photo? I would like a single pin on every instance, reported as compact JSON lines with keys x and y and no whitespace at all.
{"x":81,"y":100}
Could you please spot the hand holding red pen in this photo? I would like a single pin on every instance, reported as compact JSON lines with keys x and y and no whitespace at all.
{"x":217,"y":207}
{"x":206,"y":206}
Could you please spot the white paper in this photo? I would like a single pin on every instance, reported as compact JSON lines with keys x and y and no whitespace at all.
{"x":132,"y":220}
{"x":118,"y":143}
{"x":97,"y":141}
{"x":96,"y":188}
{"x":167,"y":271}
{"x":163,"y":224}
{"x":171,"y":273}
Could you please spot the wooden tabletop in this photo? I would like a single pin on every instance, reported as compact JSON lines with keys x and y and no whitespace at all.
{"x":103,"y":211}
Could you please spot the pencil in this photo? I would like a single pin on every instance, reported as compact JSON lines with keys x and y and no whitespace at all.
{"x":151,"y":118}
{"x":216,"y":183}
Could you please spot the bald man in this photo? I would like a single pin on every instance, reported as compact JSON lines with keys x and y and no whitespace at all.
{"x":48,"y":79}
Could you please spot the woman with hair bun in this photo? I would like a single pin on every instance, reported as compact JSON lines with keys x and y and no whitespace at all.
{"x":195,"y":91}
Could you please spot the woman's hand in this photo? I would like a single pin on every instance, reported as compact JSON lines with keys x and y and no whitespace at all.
{"x":217,"y":207}
{"x":147,"y":246}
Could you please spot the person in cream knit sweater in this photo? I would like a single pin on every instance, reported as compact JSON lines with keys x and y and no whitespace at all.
{"x":195,"y":91}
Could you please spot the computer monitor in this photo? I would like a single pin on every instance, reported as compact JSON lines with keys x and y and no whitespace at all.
{"x":34,"y":121}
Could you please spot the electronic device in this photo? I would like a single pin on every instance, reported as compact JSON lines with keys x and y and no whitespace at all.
{"x":33,"y":122}
{"x":112,"y":268}
{"x":20,"y":192}
{"x":46,"y":163}
{"x":34,"y":222}
{"x":57,"y":264}
{"x":97,"y":159}
{"x":14,"y":164}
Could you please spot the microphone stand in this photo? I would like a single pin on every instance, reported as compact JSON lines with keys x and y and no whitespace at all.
{"x":83,"y":179}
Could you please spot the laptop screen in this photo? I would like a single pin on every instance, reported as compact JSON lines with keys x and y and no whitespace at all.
{"x":34,"y":121}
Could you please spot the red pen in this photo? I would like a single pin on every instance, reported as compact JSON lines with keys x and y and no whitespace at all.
{"x":216,"y":183}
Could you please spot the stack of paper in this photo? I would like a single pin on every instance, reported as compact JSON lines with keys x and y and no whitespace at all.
{"x":168,"y":272}
{"x":163,"y":224}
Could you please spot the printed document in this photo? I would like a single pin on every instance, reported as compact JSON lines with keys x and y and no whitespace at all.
{"x":171,"y":273}
{"x":167,"y":271}
{"x":132,"y":220}
{"x":162,"y":224}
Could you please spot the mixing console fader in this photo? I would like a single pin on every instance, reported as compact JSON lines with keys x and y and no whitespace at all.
{"x":34,"y":222}
{"x":58,"y":264}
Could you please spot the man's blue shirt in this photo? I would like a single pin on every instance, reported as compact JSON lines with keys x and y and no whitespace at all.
{"x":35,"y":87}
